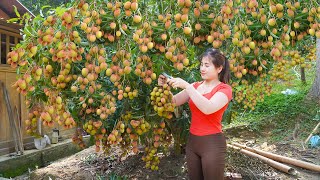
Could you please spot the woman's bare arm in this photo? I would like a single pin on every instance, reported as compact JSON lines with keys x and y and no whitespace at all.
{"x":181,"y":98}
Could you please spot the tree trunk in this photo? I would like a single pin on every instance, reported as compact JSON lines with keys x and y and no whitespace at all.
{"x":303,"y":75}
{"x":314,"y":92}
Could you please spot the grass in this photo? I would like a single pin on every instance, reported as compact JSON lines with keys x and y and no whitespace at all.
{"x":281,"y":114}
{"x":112,"y":176}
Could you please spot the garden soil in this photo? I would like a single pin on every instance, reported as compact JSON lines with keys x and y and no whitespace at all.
{"x":87,"y":164}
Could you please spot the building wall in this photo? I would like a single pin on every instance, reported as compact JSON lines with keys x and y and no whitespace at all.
{"x":3,"y":15}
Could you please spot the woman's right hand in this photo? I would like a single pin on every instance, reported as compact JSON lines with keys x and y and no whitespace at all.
{"x":162,"y":80}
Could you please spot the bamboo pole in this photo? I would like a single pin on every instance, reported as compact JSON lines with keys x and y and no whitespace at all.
{"x":11,"y":117}
{"x":18,"y":125}
{"x":313,"y":131}
{"x":14,"y":121}
{"x":270,"y":162}
{"x":283,"y":159}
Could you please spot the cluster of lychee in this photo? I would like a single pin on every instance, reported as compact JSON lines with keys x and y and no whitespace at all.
{"x":121,"y":65}
{"x":105,"y":107}
{"x":314,"y":14}
{"x":69,"y":18}
{"x":250,"y":6}
{"x":57,"y":111}
{"x":46,"y":38}
{"x":129,"y":7}
{"x":277,"y":51}
{"x":23,"y":84}
{"x":77,"y":138}
{"x":162,"y":101}
{"x":144,"y":69}
{"x":66,"y":120}
{"x":116,"y":136}
{"x":239,"y":39}
{"x":36,"y":73}
{"x":151,"y":158}
{"x":176,"y":53}
{"x":249,"y":94}
{"x":160,"y":138}
{"x":92,"y":127}
{"x":91,"y":22}
{"x":200,"y":9}
{"x":143,"y":37}
{"x":14,"y":58}
{"x":66,"y":51}
{"x":311,"y":53}
{"x":140,"y":126}
{"x":32,"y":122}
{"x":114,"y":31}
{"x":227,"y":10}
{"x":219,"y":34}
{"x":127,"y":92}
{"x":62,"y":79}
{"x":96,"y":63}
{"x":51,"y":20}
{"x":127,"y":141}
{"x":100,"y":137}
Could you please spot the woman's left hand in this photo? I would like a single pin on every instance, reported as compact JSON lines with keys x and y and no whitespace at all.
{"x":178,"y":83}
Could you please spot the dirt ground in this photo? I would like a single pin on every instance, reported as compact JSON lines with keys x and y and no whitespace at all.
{"x":88,"y":164}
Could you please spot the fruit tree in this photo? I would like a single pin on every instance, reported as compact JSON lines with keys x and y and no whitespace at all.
{"x":93,"y":64}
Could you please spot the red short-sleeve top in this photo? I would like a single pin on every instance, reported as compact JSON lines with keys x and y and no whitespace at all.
{"x":202,"y":124}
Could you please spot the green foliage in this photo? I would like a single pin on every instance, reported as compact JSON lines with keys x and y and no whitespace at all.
{"x":38,"y":6}
{"x":287,"y":105}
{"x":114,"y":176}
{"x":280,"y":113}
{"x":90,"y":159}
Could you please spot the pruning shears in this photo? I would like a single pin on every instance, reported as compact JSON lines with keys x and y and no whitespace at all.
{"x":167,"y":76}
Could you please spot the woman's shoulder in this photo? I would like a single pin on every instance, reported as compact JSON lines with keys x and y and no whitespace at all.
{"x":225,"y":86}
{"x":226,"y":89}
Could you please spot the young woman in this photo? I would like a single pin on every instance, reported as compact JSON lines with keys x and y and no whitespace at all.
{"x":208,"y":99}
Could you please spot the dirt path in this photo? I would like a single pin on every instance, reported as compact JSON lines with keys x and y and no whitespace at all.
{"x":90,"y":165}
{"x":87,"y":164}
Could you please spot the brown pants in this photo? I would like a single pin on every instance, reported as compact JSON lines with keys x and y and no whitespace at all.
{"x":206,"y":156}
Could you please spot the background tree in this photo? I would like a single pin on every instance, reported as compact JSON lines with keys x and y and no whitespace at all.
{"x":35,"y":5}
{"x":315,"y":90}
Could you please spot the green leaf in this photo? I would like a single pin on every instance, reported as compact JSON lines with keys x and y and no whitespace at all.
{"x":16,"y":11}
{"x":13,"y":20}
{"x":60,"y":11}
{"x":43,"y":7}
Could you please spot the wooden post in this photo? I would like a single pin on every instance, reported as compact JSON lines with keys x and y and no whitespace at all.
{"x":15,"y":41}
{"x":0,"y":48}
{"x":7,"y":45}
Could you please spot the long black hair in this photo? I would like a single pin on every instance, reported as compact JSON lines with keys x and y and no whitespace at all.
{"x":218,"y":60}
